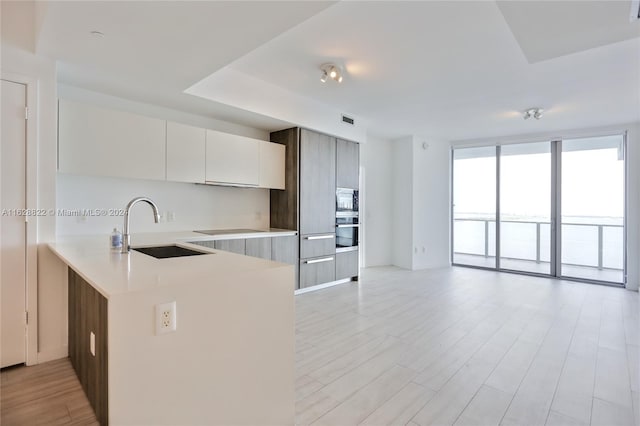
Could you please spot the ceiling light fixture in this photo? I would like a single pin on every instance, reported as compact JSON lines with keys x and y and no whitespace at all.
{"x":533,"y":112}
{"x":331,"y":71}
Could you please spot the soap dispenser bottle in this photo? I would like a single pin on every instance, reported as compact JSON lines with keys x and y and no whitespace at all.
{"x":115,"y":239}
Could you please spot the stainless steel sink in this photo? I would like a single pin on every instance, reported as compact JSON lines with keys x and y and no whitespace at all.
{"x":165,"y":252}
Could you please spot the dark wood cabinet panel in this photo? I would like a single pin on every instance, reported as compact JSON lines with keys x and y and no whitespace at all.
{"x":234,"y":246}
{"x":317,"y":183}
{"x":87,"y":314}
{"x":284,"y":204}
{"x":347,"y":164}
{"x":258,"y":247}
{"x":317,"y":271}
{"x":347,"y":265}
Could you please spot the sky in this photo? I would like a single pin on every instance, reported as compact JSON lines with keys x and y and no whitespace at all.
{"x":592,"y":182}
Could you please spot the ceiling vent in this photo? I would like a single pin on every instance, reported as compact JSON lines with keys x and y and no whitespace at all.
{"x":348,"y":120}
{"x":635,"y":10}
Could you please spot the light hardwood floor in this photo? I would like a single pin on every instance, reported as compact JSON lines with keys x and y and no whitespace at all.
{"x":466,"y":347}
{"x":45,"y":394}
{"x":451,"y":346}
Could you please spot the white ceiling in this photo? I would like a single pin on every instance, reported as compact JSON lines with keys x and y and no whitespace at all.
{"x":549,"y":29}
{"x":153,"y":50}
{"x":448,"y":70}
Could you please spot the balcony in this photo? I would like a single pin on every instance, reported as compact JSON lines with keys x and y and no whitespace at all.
{"x":593,"y":251}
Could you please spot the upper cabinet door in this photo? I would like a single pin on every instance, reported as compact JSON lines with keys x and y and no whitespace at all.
{"x":272,"y":165}
{"x":348,"y":164}
{"x":98,"y":141}
{"x":232,"y":159}
{"x":317,"y":183}
{"x":185,"y":153}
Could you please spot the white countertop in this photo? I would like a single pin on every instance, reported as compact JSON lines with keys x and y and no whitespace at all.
{"x":113,"y":273}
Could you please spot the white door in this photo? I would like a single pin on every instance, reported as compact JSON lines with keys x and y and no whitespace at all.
{"x":12,"y":225}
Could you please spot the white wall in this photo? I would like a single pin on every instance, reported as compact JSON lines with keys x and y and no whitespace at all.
{"x":431,"y":203}
{"x":421,"y":200}
{"x":194,"y":206}
{"x":633,"y":179}
{"x":402,"y":199}
{"x":377,"y":189}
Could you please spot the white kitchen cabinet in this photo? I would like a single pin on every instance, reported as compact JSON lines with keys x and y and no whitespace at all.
{"x":185,"y":153}
{"x":98,"y":141}
{"x":232,"y":159}
{"x":272,"y":165}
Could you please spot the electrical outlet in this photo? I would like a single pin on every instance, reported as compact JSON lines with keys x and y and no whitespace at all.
{"x":165,"y":318}
{"x":171,"y":216}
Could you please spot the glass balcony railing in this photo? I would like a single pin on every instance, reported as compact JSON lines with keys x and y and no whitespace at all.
{"x":591,"y":245}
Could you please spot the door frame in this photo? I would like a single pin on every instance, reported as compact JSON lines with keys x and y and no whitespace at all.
{"x":31,"y":255}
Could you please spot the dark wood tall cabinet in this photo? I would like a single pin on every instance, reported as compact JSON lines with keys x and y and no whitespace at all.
{"x":347,"y":164}
{"x":316,"y":164}
{"x":317,"y":183}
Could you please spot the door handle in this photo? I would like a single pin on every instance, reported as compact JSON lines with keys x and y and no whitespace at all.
{"x":319,"y":237}
{"x":325,"y":259}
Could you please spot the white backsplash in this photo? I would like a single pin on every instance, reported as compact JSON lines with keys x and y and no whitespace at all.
{"x":193,"y":206}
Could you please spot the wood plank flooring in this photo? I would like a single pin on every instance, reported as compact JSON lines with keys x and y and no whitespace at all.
{"x":466,"y":347}
{"x":442,"y":347}
{"x":45,"y":394}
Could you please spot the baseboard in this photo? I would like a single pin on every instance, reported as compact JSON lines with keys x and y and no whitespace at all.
{"x":325,"y":285}
{"x":53,"y":354}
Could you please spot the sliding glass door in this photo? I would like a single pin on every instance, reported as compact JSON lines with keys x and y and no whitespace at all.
{"x":592,"y":209}
{"x":474,"y":207}
{"x":578,"y":184}
{"x":525,"y":207}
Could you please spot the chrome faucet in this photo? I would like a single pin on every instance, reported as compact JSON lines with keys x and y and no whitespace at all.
{"x":125,"y":234}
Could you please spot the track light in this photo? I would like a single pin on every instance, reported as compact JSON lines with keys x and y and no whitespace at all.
{"x":332,"y":71}
{"x":533,"y":112}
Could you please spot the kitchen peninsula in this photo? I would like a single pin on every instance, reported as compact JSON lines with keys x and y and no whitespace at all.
{"x":230,"y":359}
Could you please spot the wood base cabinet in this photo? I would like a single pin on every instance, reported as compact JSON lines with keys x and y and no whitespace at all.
{"x":89,"y":355}
{"x":234,"y":246}
{"x":279,"y":249}
{"x":317,"y":271}
{"x":347,"y":265}
{"x":285,"y":250}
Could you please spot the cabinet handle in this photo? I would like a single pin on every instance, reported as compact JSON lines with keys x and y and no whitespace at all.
{"x":319,"y":237}
{"x":325,"y":259}
{"x":348,"y":226}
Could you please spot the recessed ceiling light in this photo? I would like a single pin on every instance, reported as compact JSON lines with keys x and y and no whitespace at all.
{"x":97,"y":34}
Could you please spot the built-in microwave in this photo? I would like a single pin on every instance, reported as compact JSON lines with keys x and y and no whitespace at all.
{"x":346,"y":200}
